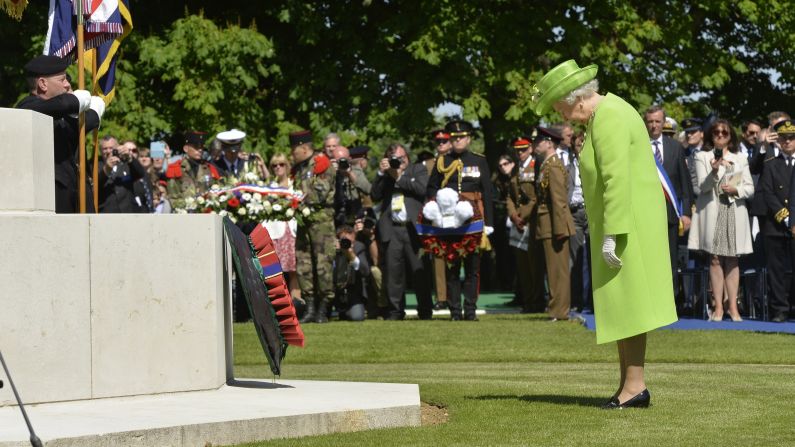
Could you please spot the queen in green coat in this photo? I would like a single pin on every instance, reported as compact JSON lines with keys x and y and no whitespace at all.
{"x":625,"y":205}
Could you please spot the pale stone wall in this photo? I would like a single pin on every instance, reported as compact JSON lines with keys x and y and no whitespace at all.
{"x":96,"y":306}
{"x":27,"y":173}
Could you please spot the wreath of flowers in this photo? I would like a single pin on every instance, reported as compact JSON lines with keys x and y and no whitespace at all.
{"x":452,"y":247}
{"x":248,"y":202}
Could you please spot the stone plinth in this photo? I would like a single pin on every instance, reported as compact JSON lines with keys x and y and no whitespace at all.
{"x":27,"y":178}
{"x":253,"y":411}
{"x":111,"y":305}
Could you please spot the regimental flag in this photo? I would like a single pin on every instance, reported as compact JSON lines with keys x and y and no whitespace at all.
{"x":107,"y":23}
{"x":14,"y":8}
{"x":103,"y":23}
{"x":107,"y":53}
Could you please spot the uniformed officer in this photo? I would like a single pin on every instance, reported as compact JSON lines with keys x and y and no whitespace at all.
{"x":555,"y":225}
{"x":235,"y":163}
{"x":313,"y":175}
{"x":467,"y":173}
{"x":52,"y":95}
{"x":776,"y":189}
{"x":441,"y":142}
{"x":192,"y":175}
{"x":522,"y":204}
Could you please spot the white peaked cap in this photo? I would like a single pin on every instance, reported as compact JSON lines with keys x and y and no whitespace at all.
{"x":233,"y":136}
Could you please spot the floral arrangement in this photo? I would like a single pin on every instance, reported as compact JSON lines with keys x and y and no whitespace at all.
{"x":451,"y":248}
{"x":451,"y":244}
{"x":248,"y":202}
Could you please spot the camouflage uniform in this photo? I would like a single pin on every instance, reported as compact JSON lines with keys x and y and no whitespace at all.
{"x":182,"y":183}
{"x":314,"y":244}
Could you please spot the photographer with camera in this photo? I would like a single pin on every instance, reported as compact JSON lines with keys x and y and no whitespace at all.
{"x":117,"y":178}
{"x":352,"y":188}
{"x":400,"y":186}
{"x":351,"y":269}
{"x":364,"y":226}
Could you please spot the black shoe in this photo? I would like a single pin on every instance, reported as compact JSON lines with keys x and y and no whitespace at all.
{"x":611,"y":404}
{"x":779,"y":318}
{"x":641,"y":400}
{"x":471,"y":318}
{"x":425,"y":317}
{"x":441,"y":305}
{"x":455,"y":317}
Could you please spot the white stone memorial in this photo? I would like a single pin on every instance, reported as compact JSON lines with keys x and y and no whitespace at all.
{"x":117,"y":328}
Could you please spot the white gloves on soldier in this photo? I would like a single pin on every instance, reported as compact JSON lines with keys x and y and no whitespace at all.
{"x":488,"y":230}
{"x":97,"y":105}
{"x":84,"y":98}
{"x":609,"y":252}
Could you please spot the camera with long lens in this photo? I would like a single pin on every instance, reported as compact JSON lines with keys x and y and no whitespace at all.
{"x":343,"y":164}
{"x":394,"y":162}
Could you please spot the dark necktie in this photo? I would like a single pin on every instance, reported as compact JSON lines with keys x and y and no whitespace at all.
{"x":657,"y":153}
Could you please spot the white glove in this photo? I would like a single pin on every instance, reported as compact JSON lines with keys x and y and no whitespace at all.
{"x":488,"y":230}
{"x":84,"y":98}
{"x":97,"y":105}
{"x":609,"y":252}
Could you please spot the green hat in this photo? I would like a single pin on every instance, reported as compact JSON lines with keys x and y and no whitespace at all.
{"x":559,"y":82}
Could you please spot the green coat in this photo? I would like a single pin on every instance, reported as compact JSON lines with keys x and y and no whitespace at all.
{"x":623,"y":196}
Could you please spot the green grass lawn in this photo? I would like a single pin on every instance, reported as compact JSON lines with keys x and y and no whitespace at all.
{"x":520,"y":380}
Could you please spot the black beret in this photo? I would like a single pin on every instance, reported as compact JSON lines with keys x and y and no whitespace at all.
{"x":784,"y":127}
{"x":359,"y":151}
{"x":46,"y":65}
{"x":458,"y":128}
{"x":195,"y":138}
{"x":300,"y":137}
{"x":542,"y":134}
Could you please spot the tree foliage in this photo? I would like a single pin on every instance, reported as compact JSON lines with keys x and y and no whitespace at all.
{"x":374,"y":70}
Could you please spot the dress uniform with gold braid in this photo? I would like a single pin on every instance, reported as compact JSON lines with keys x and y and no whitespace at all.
{"x":554,"y":226}
{"x":777,"y":192}
{"x":522,"y":203}
{"x":468,"y":174}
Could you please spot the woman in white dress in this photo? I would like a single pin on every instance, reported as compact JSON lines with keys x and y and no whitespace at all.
{"x":720,"y":224}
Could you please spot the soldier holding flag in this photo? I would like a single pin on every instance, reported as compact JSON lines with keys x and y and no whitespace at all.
{"x":52,"y":95}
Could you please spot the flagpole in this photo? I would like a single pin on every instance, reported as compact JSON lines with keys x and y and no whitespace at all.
{"x":81,"y":84}
{"x":95,"y":177}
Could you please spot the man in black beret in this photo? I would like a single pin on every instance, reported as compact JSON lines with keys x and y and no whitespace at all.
{"x":193,"y":174}
{"x":52,"y":95}
{"x":469,"y":175}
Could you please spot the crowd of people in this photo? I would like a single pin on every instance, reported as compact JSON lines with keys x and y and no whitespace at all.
{"x":728,"y":202}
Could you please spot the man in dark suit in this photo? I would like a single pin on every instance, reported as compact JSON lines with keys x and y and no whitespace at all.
{"x":400,"y":187}
{"x":52,"y":95}
{"x":670,"y":154}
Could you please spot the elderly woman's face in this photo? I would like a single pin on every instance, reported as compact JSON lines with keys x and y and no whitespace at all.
{"x":572,"y":112}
